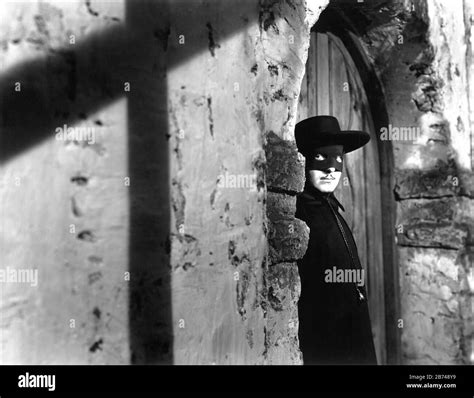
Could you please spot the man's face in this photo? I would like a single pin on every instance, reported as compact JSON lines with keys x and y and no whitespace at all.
{"x":325,"y":167}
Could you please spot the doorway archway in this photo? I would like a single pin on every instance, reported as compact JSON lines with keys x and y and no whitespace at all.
{"x":341,"y":82}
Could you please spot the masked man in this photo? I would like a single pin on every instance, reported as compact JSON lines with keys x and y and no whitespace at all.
{"x":334,"y":323}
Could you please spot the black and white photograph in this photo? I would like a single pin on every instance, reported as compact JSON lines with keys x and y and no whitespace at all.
{"x":237,"y":182}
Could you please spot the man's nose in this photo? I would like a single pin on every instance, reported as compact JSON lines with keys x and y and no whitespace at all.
{"x":330,"y":170}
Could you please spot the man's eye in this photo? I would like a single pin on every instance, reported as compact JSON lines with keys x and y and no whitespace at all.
{"x":319,"y":157}
{"x":339,"y":159}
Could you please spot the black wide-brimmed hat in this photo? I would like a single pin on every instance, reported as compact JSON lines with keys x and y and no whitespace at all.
{"x":324,"y":130}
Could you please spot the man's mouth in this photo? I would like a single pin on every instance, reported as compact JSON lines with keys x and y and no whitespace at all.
{"x":327,"y":178}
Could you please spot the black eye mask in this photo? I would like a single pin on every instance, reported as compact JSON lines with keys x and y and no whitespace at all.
{"x":330,"y":154}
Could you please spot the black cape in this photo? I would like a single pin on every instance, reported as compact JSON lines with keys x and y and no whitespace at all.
{"x":334,"y":323}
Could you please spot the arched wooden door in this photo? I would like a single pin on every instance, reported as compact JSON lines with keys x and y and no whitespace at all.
{"x":332,"y":86}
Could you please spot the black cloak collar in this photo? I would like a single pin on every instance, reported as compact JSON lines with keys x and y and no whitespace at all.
{"x":315,"y":196}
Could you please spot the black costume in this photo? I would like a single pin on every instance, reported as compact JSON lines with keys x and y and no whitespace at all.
{"x":334,"y":323}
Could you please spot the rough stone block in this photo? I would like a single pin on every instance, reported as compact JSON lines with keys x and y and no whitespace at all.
{"x":288,"y":236}
{"x":288,"y":240}
{"x":433,"y":235}
{"x":441,"y":222}
{"x":285,"y":167}
{"x":414,"y":183}
{"x":280,"y":206}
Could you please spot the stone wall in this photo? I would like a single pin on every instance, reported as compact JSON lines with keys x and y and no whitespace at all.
{"x":151,"y":239}
{"x":422,"y":52}
{"x":64,"y":203}
{"x":435,"y":178}
{"x":171,"y":237}
{"x":238,"y":292}
{"x":288,"y":239}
